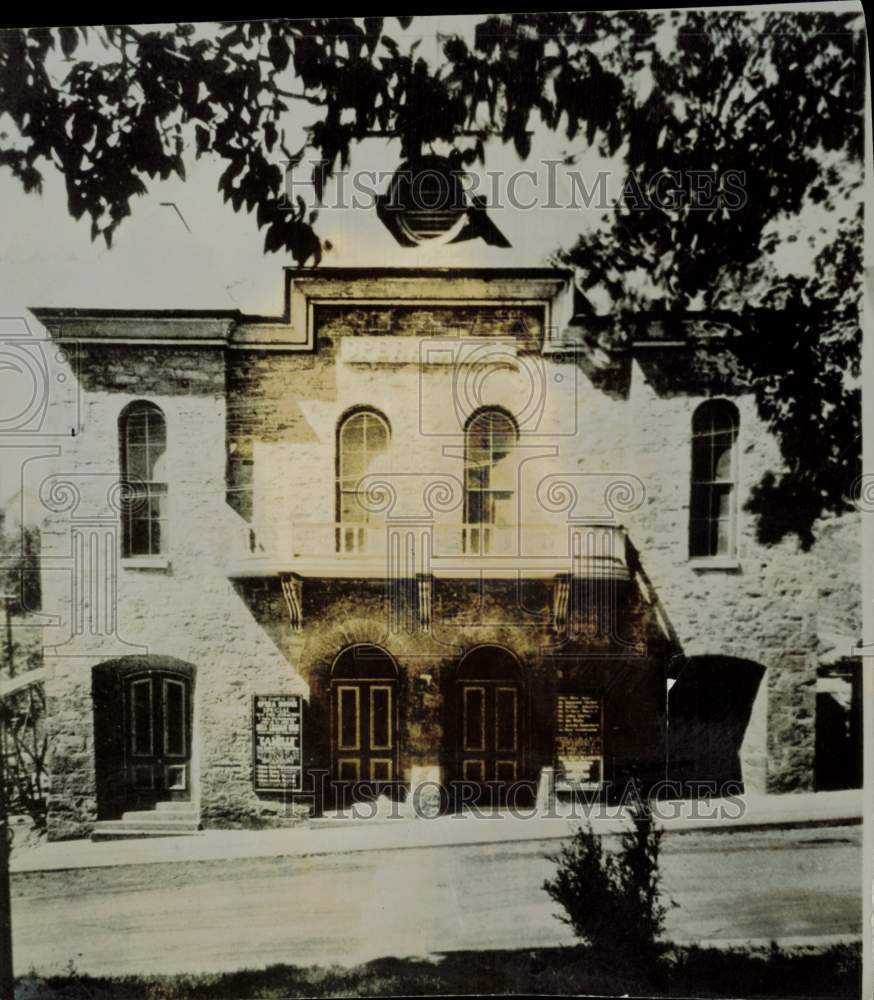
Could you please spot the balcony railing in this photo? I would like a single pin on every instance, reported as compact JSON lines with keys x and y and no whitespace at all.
{"x":381,"y":548}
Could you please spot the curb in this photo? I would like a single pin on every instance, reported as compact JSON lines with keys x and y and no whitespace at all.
{"x":208,"y":847}
{"x":806,"y":942}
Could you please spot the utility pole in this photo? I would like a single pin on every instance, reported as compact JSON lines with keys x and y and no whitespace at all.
{"x":7,"y":979}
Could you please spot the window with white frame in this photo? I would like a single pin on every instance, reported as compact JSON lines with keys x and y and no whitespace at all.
{"x":489,"y":477}
{"x":713,"y":498}
{"x":362,"y":449}
{"x":143,"y":439}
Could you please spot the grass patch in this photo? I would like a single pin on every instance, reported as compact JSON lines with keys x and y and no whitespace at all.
{"x":694,"y":972}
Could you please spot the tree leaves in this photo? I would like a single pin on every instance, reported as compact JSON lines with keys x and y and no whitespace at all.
{"x":157,"y":91}
{"x":740,"y":96}
{"x":69,"y":41}
{"x":773,"y":97}
{"x":279,"y":51}
{"x":759,"y":98}
{"x":813,"y":404}
{"x":373,"y":31}
{"x":202,"y":139}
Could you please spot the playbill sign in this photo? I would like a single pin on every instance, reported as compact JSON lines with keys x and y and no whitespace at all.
{"x":277,"y":742}
{"x":578,"y":739}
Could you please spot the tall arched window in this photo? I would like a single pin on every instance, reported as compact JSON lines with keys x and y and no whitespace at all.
{"x":143,"y":434}
{"x":489,"y":477}
{"x":362,"y":450}
{"x":713,"y":499}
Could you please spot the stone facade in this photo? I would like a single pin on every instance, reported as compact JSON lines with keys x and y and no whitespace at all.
{"x":252,"y":408}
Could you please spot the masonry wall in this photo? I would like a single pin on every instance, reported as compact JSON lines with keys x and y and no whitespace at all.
{"x":186,"y":609}
{"x":765,"y":610}
{"x":284,"y":411}
{"x":770,"y":606}
{"x":625,"y":669}
{"x":251,"y":443}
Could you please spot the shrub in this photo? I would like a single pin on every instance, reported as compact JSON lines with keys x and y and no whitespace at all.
{"x":24,"y":712}
{"x":612,"y":900}
{"x":26,"y":750}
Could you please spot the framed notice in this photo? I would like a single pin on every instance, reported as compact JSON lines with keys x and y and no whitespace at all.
{"x":579,"y":748}
{"x":277,"y":722}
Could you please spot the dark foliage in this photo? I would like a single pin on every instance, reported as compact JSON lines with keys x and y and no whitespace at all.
{"x":612,"y":901}
{"x":804,"y":354}
{"x":692,"y":972}
{"x":761,"y":97}
{"x":26,"y":747}
{"x":112,"y":107}
{"x":773,"y":97}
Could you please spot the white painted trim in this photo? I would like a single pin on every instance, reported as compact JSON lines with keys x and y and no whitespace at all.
{"x":715,"y":563}
{"x":145,"y":562}
{"x":143,"y":341}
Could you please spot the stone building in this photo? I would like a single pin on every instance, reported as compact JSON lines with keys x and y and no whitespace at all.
{"x":416,"y":531}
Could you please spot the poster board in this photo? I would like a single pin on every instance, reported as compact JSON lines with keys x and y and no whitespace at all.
{"x":277,"y":747}
{"x":579,"y":740}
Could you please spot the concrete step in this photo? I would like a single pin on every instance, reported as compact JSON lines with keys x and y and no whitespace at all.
{"x":168,"y":828}
{"x":150,"y":816}
{"x":175,"y":807}
{"x":154,"y":822}
{"x":179,"y":821}
{"x":121,"y":831}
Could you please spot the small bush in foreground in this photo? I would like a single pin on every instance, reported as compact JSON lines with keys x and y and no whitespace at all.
{"x":612,"y":901}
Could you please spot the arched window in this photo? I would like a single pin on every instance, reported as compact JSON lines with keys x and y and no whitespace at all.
{"x":143,"y":434}
{"x":362,"y":450}
{"x":713,"y":499}
{"x":489,"y":476}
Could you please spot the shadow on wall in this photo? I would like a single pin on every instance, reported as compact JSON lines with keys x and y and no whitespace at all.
{"x":838,"y":761}
{"x":709,"y":708}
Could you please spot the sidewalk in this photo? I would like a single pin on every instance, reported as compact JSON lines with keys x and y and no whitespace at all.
{"x":342,"y":836}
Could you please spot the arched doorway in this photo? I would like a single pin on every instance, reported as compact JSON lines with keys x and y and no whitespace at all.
{"x":489,"y":724}
{"x":364,"y":723}
{"x":142,"y":728}
{"x":709,"y":710}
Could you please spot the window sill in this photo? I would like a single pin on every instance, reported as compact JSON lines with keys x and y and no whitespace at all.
{"x":715,"y":563}
{"x":145,"y":562}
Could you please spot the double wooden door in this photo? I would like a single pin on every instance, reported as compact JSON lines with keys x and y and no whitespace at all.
{"x":489,"y":755}
{"x":364,"y":736}
{"x":157,"y":734}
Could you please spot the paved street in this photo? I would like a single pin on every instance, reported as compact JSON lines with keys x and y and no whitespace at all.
{"x":347,"y":908}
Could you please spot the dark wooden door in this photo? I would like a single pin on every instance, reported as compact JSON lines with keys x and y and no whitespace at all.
{"x":364,"y":736}
{"x":489,"y":715}
{"x":157,"y":738}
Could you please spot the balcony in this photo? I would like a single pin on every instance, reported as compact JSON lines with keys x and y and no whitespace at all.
{"x":401,"y":548}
